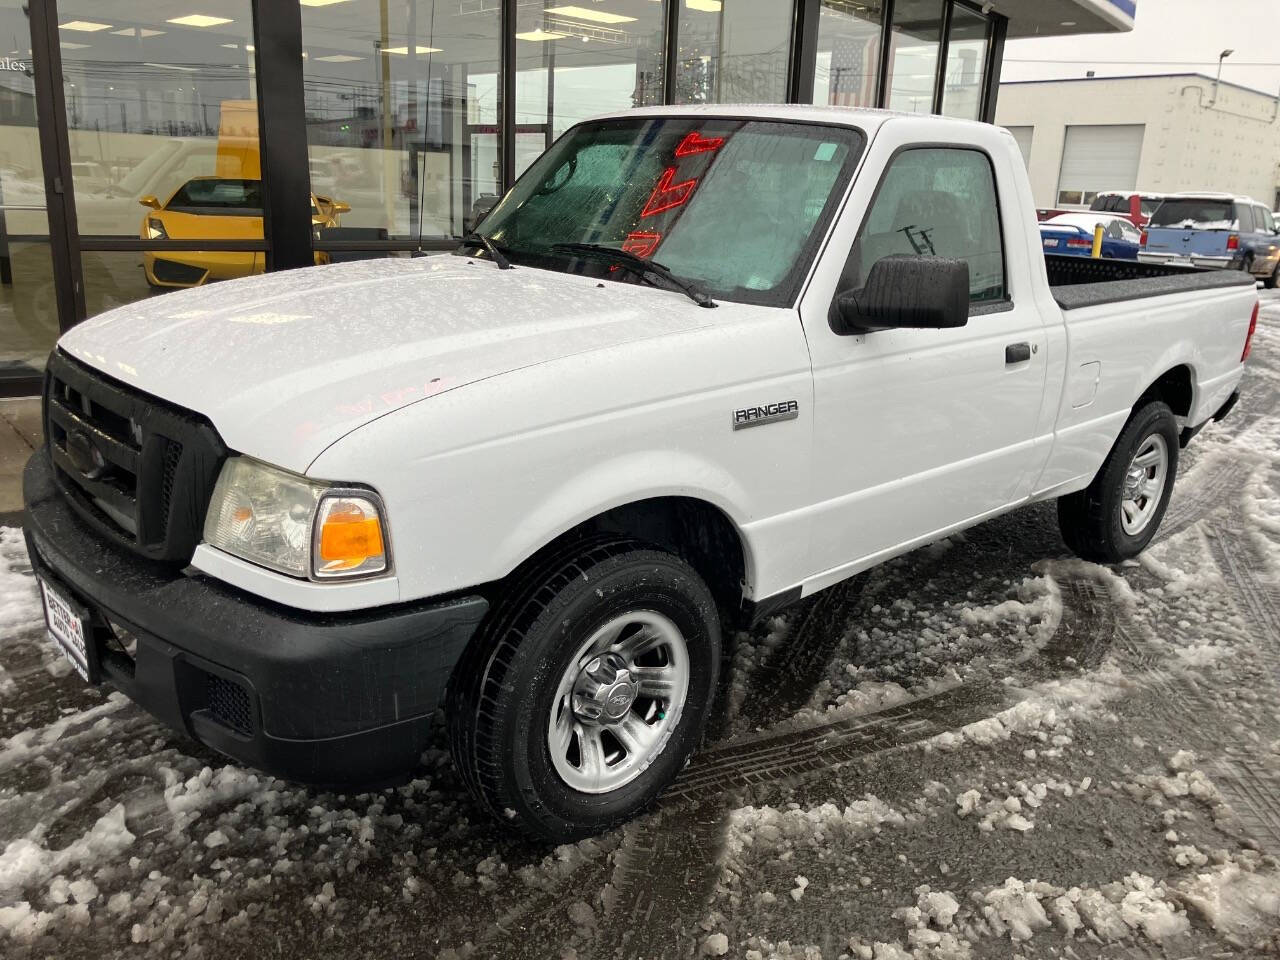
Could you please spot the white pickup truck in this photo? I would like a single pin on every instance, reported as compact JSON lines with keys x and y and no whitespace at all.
{"x":701,"y":363}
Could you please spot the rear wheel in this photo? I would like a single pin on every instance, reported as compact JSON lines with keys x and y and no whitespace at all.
{"x":1115,"y":517}
{"x":587,"y":688}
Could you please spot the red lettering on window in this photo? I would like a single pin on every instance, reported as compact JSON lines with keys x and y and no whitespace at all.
{"x":697,"y":143}
{"x":642,"y":244}
{"x":667,"y":197}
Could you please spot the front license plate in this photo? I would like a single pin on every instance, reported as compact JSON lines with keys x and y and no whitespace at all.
{"x":67,"y":627}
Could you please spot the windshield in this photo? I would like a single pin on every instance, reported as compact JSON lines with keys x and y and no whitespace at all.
{"x":1194,"y":214}
{"x":736,"y":206}
{"x":218,"y":194}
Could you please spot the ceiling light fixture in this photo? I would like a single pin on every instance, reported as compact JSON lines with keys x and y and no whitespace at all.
{"x":137,"y":32}
{"x":539,"y":35}
{"x":67,"y":45}
{"x":200,"y":20}
{"x":582,"y":13}
{"x":339,"y":58}
{"x":320,"y":3}
{"x":404,"y":51}
{"x":84,"y":26}
{"x":171,"y":66}
{"x":706,"y":6}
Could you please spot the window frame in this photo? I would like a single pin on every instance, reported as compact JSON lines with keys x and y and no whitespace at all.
{"x":983,"y":307}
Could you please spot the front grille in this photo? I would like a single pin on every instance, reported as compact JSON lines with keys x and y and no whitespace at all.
{"x":167,"y":271}
{"x":229,"y":704}
{"x":138,"y":469}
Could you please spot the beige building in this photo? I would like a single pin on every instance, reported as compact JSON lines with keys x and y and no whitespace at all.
{"x":1156,"y":133}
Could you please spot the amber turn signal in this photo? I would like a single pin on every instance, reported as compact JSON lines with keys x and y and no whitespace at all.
{"x":349,"y":538}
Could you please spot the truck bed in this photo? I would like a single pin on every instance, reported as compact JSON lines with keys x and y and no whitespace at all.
{"x":1077,"y":282}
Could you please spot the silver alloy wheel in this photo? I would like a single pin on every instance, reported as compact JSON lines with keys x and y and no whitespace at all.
{"x":618,"y":701}
{"x":1144,"y":484}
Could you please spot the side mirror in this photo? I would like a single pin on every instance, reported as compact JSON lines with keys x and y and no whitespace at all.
{"x":149,"y":201}
{"x":914,"y":293}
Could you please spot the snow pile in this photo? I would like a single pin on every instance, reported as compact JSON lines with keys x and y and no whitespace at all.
{"x":20,"y":605}
{"x":27,"y":863}
{"x":1236,"y":899}
{"x":1015,"y":811}
{"x":869,"y":696}
{"x":1135,"y":907}
{"x":770,"y":832}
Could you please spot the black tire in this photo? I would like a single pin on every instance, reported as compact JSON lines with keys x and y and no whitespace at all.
{"x":1090,"y":519}
{"x":1273,"y":281}
{"x":504,"y":687}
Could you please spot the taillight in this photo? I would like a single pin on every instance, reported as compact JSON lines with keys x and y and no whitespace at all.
{"x":1076,"y":242}
{"x":1233,"y":242}
{"x":1143,"y":241}
{"x":1253,"y":326}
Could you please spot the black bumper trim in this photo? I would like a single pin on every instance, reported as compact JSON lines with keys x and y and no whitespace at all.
{"x":332,"y":698}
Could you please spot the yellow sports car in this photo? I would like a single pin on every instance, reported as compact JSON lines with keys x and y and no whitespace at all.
{"x":215,"y":208}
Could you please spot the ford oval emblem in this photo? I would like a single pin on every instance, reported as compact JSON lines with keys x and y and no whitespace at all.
{"x":85,"y":455}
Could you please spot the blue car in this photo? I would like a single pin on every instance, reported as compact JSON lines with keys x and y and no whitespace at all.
{"x":1071,"y":234}
{"x":1214,"y":230}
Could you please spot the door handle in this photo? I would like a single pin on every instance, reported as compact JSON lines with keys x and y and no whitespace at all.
{"x":1017,"y":353}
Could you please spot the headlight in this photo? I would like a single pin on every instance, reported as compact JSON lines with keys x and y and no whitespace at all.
{"x":295,"y":525}
{"x":155,"y":229}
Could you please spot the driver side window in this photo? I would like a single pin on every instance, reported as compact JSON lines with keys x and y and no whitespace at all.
{"x":935,"y":201}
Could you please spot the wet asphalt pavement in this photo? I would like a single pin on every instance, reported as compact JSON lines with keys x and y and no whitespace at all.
{"x":982,"y":749}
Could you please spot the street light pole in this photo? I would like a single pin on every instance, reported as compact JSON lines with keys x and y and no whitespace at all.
{"x":1218,"y":80}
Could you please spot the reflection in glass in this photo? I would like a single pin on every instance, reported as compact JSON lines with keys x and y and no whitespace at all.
{"x":966,"y":59}
{"x":402,"y":114}
{"x":28,"y":304}
{"x":913,"y":56}
{"x":577,"y":61}
{"x":153,"y":102}
{"x":733,"y":51}
{"x":848,"y":58}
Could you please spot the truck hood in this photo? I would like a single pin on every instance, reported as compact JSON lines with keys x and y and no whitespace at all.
{"x":286,"y":364}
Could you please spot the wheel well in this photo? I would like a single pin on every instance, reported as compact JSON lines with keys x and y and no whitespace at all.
{"x":694,"y":530}
{"x":1175,"y":388}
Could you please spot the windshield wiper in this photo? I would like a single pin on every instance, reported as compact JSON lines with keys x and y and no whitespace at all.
{"x":639,"y":266}
{"x":477,"y":239}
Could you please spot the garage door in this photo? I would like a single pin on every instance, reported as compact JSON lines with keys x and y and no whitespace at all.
{"x":1097,"y":158}
{"x":1023,"y":136}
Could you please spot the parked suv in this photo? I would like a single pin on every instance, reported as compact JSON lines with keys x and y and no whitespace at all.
{"x":1134,"y":207}
{"x":1214,"y":230}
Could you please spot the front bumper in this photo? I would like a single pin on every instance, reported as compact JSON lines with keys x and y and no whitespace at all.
{"x":331,"y":699}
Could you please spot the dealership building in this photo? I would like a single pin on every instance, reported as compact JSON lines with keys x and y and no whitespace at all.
{"x":148,"y":147}
{"x":1159,"y":134}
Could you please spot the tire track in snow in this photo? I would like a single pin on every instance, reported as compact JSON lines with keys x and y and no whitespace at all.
{"x":664,"y":875}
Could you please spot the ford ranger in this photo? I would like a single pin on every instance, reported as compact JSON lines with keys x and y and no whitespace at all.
{"x":699,"y":363}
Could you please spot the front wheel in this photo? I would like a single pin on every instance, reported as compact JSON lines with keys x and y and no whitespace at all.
{"x":1115,"y":517}
{"x":1274,"y":280}
{"x":587,"y":688}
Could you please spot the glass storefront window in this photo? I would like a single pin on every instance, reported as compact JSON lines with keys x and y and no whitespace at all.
{"x":28,"y":301}
{"x":574,"y":61}
{"x":402,"y":114}
{"x":848,"y":60}
{"x":966,"y":60}
{"x":157,"y":99}
{"x":913,"y":57}
{"x":733,"y":51}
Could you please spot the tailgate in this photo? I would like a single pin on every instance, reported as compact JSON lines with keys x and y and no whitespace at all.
{"x":1205,"y":243}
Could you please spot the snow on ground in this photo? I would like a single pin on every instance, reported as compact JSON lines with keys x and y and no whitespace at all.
{"x":1084,"y":762}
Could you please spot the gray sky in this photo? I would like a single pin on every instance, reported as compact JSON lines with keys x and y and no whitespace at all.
{"x":1189,"y":32}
